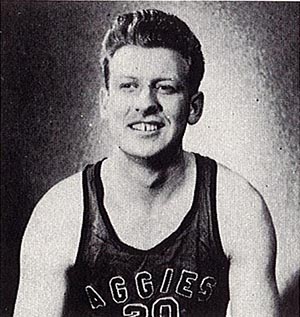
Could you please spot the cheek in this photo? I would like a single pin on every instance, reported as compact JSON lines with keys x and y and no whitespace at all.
{"x":177,"y":110}
{"x":118,"y":106}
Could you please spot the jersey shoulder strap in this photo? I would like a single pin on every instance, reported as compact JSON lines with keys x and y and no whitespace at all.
{"x":206,"y":201}
{"x":92,"y":199}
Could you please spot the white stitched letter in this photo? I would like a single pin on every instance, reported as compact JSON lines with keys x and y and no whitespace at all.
{"x":206,"y":288}
{"x":95,"y":299}
{"x":144,"y":284}
{"x":165,"y":286}
{"x":118,"y":289}
{"x":185,"y":282}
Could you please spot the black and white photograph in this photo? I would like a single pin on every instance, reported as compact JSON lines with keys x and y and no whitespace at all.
{"x":150,"y":159}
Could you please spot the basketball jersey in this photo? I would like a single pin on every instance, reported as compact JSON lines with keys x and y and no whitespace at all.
{"x":185,"y":275}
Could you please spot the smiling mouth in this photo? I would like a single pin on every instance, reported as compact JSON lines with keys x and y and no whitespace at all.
{"x":146,"y":126}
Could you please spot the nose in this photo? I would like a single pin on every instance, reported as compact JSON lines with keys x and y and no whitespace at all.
{"x":148,"y":103}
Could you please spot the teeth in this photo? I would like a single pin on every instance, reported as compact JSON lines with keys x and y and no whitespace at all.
{"x":145,"y":126}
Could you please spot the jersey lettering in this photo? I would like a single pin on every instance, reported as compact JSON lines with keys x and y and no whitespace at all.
{"x":135,"y":310}
{"x":95,"y":299}
{"x":145,"y":289}
{"x":144,"y":284}
{"x":118,"y":289}
{"x":165,"y":286}
{"x":206,"y":288}
{"x":162,"y":307}
{"x":165,"y":307}
{"x":185,"y":282}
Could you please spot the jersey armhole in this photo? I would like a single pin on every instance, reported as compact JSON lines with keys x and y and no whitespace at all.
{"x":214,"y":212}
{"x":90,"y":175}
{"x":85,"y":196}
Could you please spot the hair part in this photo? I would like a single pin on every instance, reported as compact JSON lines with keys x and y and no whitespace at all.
{"x":150,"y":29}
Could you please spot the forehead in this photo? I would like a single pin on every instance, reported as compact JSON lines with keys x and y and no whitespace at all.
{"x":148,"y":63}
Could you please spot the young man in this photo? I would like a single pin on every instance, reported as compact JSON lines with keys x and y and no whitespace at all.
{"x":152,"y":230}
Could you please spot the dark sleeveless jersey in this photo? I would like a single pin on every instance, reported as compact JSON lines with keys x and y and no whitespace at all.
{"x":185,"y":275}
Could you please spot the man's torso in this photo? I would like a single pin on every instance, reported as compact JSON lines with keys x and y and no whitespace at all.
{"x":185,"y":274}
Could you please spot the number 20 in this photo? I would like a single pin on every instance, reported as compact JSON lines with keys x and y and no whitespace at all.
{"x":159,"y":308}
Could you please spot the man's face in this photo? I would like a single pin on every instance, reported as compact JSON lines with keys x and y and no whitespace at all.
{"x":147,"y":103}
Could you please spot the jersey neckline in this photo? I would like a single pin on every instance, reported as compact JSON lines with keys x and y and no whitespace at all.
{"x":169,"y":239}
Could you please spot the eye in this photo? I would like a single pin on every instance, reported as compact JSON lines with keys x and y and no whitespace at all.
{"x":166,"y":89}
{"x":128,"y":87}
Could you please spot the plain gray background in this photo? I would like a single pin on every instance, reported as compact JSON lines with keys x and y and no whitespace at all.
{"x":50,"y":117}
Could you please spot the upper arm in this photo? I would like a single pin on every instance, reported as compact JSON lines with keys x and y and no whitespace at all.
{"x":49,"y":246}
{"x":248,"y":238}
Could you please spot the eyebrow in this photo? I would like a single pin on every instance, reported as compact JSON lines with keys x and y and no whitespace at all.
{"x":165,"y":78}
{"x":155,"y":80}
{"x":128,"y":77}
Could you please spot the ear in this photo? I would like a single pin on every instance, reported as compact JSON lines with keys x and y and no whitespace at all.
{"x":196,"y":107}
{"x":103,"y":100}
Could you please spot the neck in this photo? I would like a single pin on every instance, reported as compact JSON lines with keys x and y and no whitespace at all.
{"x":149,"y":176}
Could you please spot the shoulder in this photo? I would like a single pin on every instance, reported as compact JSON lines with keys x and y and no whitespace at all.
{"x":55,"y":223}
{"x":49,"y":247}
{"x":248,"y":239}
{"x":245,"y":223}
{"x":232,"y":187}
{"x":65,"y":189}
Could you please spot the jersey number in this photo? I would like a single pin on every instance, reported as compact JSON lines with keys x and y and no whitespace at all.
{"x":163,"y":307}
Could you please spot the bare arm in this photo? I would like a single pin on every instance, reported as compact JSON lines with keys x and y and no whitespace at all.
{"x":253,"y":289}
{"x":249,"y":240}
{"x":49,"y":246}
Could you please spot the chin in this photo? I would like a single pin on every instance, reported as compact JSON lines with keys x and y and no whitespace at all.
{"x":161,"y":154}
{"x":141,"y":154}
